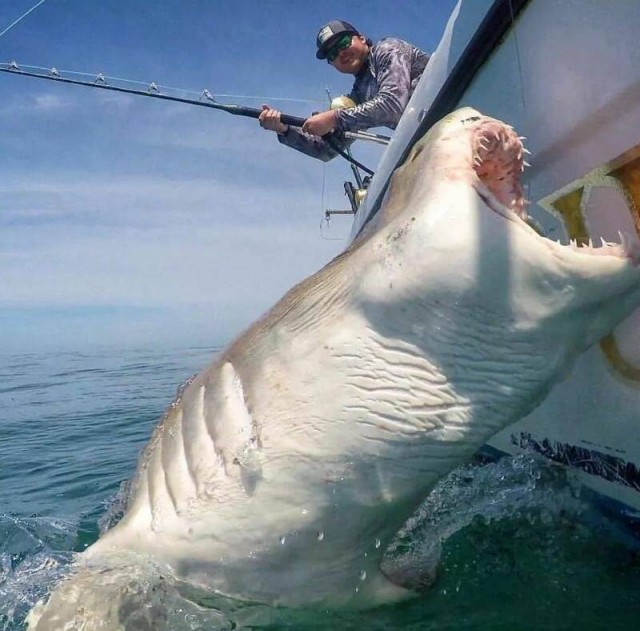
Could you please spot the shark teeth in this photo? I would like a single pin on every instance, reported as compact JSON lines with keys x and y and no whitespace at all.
{"x":627,"y":247}
{"x":624,"y":241}
{"x":497,"y":158}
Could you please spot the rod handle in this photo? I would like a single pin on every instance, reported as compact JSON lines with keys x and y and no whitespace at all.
{"x":253,"y":112}
{"x":294,"y":121}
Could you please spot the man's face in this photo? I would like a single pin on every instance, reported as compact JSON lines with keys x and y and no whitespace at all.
{"x":351,"y":59}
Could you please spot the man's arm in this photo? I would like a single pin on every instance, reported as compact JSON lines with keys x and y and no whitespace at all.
{"x":393,"y":76}
{"x":309,"y":144}
{"x":295,"y":138}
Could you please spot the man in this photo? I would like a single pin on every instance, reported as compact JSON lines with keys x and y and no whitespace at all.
{"x":386,"y":74}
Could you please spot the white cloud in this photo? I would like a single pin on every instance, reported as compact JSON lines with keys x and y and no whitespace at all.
{"x":175,"y":283}
{"x":210,"y":251}
{"x":48,"y":102}
{"x":149,"y":201}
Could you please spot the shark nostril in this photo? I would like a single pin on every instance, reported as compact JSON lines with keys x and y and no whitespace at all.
{"x":416,"y":151}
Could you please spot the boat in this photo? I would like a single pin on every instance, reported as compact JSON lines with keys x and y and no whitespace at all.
{"x":566,"y":76}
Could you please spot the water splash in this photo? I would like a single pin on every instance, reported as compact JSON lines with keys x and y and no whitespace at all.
{"x":115,"y":507}
{"x":506,"y":489}
{"x":34,"y":553}
{"x":507,"y":533}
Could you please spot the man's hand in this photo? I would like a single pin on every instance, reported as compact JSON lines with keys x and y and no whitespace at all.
{"x":320,"y":124}
{"x":270,"y":119}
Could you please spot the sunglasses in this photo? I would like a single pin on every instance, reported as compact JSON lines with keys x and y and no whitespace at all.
{"x":342,"y":44}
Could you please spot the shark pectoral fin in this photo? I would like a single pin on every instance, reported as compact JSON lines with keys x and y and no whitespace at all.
{"x":110,"y":597}
{"x":416,"y":570}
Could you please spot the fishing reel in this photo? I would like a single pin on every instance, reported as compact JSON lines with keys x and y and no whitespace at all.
{"x":342,"y":102}
{"x":355,"y":192}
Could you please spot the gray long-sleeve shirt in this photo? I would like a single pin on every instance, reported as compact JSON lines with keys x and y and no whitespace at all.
{"x":381,"y":91}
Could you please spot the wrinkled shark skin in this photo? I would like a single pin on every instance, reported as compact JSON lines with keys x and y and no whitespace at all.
{"x":283,"y":471}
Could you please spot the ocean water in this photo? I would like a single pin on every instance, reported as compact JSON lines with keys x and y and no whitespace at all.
{"x":521,"y":548}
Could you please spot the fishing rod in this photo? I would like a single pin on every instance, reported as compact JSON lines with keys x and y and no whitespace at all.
{"x":100,"y":81}
{"x":206,"y":100}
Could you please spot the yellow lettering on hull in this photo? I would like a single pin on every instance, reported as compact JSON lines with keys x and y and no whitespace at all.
{"x":621,"y":179}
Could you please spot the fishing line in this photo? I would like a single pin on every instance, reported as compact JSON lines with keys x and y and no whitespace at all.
{"x":33,"y":8}
{"x":521,"y":73}
{"x":518,"y":58}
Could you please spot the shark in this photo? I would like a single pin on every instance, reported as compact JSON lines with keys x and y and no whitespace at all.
{"x":282,"y":472}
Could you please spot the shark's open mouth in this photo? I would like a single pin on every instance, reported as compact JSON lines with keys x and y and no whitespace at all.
{"x":498,"y":160}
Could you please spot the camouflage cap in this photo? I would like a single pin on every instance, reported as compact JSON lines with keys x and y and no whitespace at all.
{"x":331,"y":32}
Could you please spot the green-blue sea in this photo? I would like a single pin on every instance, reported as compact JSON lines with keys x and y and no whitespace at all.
{"x":522,"y":548}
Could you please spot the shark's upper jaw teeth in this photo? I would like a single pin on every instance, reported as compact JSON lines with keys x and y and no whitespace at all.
{"x":497,"y":156}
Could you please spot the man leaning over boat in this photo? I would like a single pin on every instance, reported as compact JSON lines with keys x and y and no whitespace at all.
{"x":386,"y":74}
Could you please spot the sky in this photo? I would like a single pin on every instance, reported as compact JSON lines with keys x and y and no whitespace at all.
{"x":127,"y":221}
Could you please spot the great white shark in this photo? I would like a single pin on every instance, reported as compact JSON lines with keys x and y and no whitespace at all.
{"x":282,"y":472}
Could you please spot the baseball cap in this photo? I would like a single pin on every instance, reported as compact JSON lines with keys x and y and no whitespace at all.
{"x":331,"y":32}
